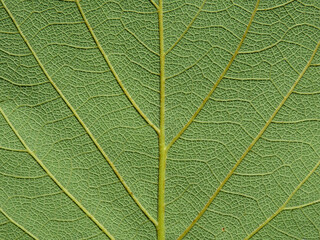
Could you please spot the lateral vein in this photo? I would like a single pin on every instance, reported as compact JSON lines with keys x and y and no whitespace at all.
{"x":217,"y":82}
{"x":42,"y":165}
{"x":94,"y":140}
{"x":280,"y":209}
{"x":17,"y":224}
{"x":283,"y":207}
{"x":134,"y":104}
{"x":187,"y":28}
{"x":154,"y":4}
{"x":251,"y":146}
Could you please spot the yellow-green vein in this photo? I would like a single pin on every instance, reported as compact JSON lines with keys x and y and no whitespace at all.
{"x":12,"y":149}
{"x":18,"y":225}
{"x":303,"y":205}
{"x":154,"y":4}
{"x":187,"y":28}
{"x":280,"y":209}
{"x":217,"y":82}
{"x":251,"y":145}
{"x":94,"y":140}
{"x":162,"y":147}
{"x":34,"y":156}
{"x":310,"y":173}
{"x":134,"y":104}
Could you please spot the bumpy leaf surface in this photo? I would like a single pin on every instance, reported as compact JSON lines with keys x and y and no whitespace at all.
{"x":159,"y":119}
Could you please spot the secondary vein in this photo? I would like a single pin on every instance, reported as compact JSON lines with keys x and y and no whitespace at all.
{"x":215,"y":194}
{"x":187,"y":28}
{"x":198,"y":111}
{"x":217,"y":82}
{"x":154,"y":4}
{"x":280,"y":209}
{"x":134,"y":104}
{"x":43,"y":166}
{"x":72,"y":109}
{"x":315,"y":167}
{"x":18,"y":225}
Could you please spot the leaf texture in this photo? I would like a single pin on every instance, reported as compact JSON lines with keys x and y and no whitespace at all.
{"x":158,"y":119}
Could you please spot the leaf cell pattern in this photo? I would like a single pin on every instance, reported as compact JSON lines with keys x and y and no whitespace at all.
{"x":154,"y":119}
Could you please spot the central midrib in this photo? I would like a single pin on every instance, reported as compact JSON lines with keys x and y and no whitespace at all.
{"x":162,"y":146}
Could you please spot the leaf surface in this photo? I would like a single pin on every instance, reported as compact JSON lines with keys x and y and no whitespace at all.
{"x":157,"y":119}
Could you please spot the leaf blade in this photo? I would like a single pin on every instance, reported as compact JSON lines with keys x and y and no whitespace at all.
{"x":76,"y":42}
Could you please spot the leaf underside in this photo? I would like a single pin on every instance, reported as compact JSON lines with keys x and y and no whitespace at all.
{"x":158,"y":119}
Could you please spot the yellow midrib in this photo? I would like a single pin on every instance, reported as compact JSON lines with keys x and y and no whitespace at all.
{"x":162,"y":147}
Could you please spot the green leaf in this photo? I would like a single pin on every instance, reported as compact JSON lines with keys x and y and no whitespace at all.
{"x":154,"y":119}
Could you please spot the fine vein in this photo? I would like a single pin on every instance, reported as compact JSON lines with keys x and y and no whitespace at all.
{"x":42,"y":165}
{"x":162,"y":147}
{"x":94,"y":140}
{"x":134,"y":104}
{"x":18,"y":225}
{"x":250,"y":146}
{"x":217,"y":82}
